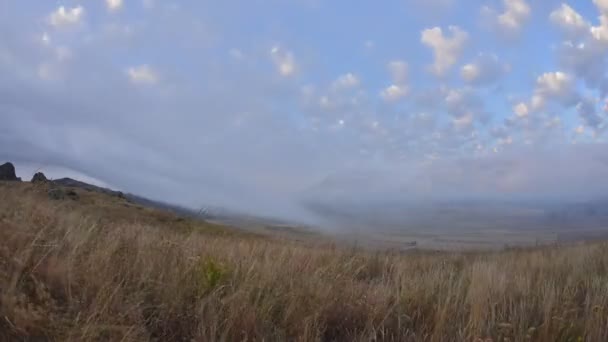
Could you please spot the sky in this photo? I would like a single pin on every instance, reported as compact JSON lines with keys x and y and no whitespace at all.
{"x":256,"y":105}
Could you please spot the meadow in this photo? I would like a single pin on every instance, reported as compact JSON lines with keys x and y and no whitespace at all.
{"x":99,"y":268}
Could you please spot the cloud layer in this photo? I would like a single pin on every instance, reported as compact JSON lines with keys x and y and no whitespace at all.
{"x":257,"y":108}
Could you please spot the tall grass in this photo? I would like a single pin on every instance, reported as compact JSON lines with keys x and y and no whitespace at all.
{"x":69,"y":274}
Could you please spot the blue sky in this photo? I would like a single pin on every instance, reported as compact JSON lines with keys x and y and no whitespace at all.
{"x":254,"y":104}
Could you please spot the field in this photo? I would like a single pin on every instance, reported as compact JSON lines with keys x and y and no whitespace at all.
{"x":100,"y":268}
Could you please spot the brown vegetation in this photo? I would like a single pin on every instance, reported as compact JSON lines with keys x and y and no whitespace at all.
{"x":102,"y":269}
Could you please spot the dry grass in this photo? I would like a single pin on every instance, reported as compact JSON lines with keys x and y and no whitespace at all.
{"x":69,"y":272}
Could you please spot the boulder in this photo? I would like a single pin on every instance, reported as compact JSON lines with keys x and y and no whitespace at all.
{"x":7,"y":173}
{"x":39,"y":177}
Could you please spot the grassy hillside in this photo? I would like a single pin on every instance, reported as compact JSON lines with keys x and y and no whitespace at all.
{"x":100,"y":268}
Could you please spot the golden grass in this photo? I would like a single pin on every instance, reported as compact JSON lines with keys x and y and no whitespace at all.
{"x":71,"y":273}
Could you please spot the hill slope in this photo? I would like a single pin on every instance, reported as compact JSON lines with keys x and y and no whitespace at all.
{"x":100,"y":268}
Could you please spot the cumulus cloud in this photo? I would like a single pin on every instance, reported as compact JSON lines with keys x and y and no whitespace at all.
{"x":587,"y":110}
{"x":67,"y":16}
{"x":556,"y":85}
{"x":466,"y":107}
{"x":143,"y":74}
{"x":114,"y":5}
{"x":521,"y":110}
{"x":511,"y":21}
{"x":602,"y":5}
{"x":600,"y":32}
{"x":584,"y":51}
{"x":485,"y":69}
{"x":399,"y":89}
{"x":284,"y":61}
{"x":569,"y":21}
{"x":550,"y":87}
{"x":346,"y":81}
{"x":586,"y":60}
{"x":560,"y":88}
{"x":394,"y":92}
{"x":447,"y":48}
{"x":197,"y":127}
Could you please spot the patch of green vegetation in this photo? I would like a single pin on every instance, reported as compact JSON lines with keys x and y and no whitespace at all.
{"x":209,"y":275}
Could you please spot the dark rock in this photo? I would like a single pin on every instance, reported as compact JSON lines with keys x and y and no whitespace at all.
{"x":39,"y":177}
{"x":7,"y":173}
{"x":56,"y":194}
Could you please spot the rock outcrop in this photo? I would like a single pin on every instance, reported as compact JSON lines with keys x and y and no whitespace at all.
{"x":39,"y":177}
{"x":7,"y":173}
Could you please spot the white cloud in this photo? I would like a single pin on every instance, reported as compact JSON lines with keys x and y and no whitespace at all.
{"x":398,"y":71}
{"x":600,"y":33}
{"x":555,"y":85}
{"x":464,"y":122}
{"x":560,"y":88}
{"x":521,"y":110}
{"x":602,"y":5}
{"x":66,"y":17}
{"x":584,"y":53}
{"x":537,"y":102}
{"x":143,"y":74}
{"x":586,"y":109}
{"x":516,"y":13}
{"x":284,"y":61}
{"x":446,"y":49}
{"x":470,"y":72}
{"x":586,"y":60}
{"x":346,"y":81}
{"x":465,"y":106}
{"x":511,"y":21}
{"x":550,"y":87}
{"x":485,"y":69}
{"x":394,"y":92}
{"x":114,"y":5}
{"x":569,"y":21}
